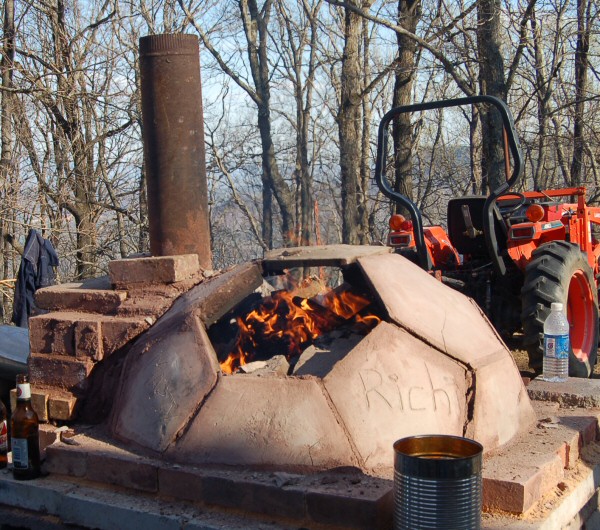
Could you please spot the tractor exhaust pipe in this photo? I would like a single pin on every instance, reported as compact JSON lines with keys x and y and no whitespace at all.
{"x":173,"y":132}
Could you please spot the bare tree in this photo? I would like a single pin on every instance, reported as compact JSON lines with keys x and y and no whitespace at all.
{"x":255,"y":25}
{"x":409,"y":12}
{"x":68,"y":77}
{"x":298,"y":36}
{"x":349,"y":125}
{"x":7,"y":164}
{"x":585,"y":20}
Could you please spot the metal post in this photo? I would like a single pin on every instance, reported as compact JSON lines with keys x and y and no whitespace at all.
{"x":173,"y":132}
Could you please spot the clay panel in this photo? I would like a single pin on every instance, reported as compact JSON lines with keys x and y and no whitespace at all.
{"x":390,"y":386}
{"x":502,"y":406}
{"x":249,"y":420}
{"x":214,"y":297}
{"x":167,"y":375}
{"x":431,"y":310}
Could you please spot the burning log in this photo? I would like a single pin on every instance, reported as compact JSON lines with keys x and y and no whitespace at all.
{"x":324,"y":317}
{"x":285,"y":324}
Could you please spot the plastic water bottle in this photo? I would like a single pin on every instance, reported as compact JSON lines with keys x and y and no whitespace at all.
{"x":556,"y":345}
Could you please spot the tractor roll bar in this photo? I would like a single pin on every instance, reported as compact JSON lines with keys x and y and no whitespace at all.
{"x":388,"y":191}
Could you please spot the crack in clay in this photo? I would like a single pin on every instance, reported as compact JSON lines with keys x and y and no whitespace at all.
{"x":340,"y":421}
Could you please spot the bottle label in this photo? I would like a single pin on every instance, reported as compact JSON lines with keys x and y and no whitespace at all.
{"x":3,"y":437}
{"x":556,"y":346}
{"x":20,"y":453}
{"x":23,"y":391}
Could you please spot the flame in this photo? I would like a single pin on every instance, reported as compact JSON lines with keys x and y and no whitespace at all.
{"x":291,"y":322}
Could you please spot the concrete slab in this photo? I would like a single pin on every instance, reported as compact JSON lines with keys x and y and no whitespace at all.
{"x":77,"y":503}
{"x":575,"y":392}
{"x":570,"y":505}
{"x":168,"y":373}
{"x":392,"y":385}
{"x":317,"y":256}
{"x":343,"y":497}
{"x":283,"y":422}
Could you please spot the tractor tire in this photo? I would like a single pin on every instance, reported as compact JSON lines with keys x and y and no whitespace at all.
{"x":559,"y":272}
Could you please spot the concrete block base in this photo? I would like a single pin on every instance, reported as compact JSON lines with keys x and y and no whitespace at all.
{"x":530,"y":483}
{"x":207,"y":499}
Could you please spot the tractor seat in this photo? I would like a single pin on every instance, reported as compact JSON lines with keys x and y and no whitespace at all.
{"x":468,"y":240}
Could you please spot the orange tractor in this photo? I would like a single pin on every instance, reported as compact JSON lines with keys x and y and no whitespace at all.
{"x":513,"y":253}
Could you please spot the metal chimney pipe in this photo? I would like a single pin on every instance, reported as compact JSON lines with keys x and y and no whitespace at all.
{"x":173,"y":132}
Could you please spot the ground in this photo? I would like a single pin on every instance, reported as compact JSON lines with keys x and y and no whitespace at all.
{"x":522,"y":360}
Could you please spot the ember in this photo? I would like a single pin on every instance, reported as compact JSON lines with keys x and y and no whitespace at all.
{"x":286,"y":324}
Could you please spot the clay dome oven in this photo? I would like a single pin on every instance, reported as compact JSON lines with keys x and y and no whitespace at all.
{"x":434,"y":364}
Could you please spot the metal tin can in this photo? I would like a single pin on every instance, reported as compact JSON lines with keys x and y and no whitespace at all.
{"x":437,"y":483}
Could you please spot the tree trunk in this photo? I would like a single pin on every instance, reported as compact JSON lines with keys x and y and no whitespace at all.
{"x":349,"y":125}
{"x":543,"y":92}
{"x":491,"y":82}
{"x":256,"y":31}
{"x":75,"y":129}
{"x":475,"y":151}
{"x":365,"y":143}
{"x":409,"y":12}
{"x":581,"y":72}
{"x":6,"y":156}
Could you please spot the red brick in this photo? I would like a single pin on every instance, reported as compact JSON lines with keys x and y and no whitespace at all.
{"x":122,"y":471}
{"x":48,"y":435}
{"x":62,"y":407}
{"x":180,"y":483}
{"x":585,"y":433}
{"x":80,"y":297}
{"x":254,"y":496}
{"x":66,"y":460}
{"x":519,"y":494}
{"x":372,"y":510}
{"x":162,"y":269}
{"x":59,"y":371}
{"x":53,"y":333}
{"x":88,"y":339}
{"x":39,"y":403}
{"x":118,"y":331}
{"x":590,"y":432}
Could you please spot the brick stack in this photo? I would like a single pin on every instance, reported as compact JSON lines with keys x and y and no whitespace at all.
{"x":87,"y":322}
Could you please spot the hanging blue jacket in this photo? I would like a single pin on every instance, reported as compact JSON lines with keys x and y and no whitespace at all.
{"x":35,"y":271}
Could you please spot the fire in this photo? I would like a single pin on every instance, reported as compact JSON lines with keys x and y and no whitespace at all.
{"x":291,"y":323}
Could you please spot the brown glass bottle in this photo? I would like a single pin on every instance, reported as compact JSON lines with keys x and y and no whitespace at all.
{"x":3,"y":436}
{"x":25,"y":437}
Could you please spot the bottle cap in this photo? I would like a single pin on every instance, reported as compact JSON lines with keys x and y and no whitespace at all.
{"x":556,"y":306}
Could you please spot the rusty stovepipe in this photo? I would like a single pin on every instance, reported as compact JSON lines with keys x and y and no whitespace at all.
{"x":173,"y":131}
